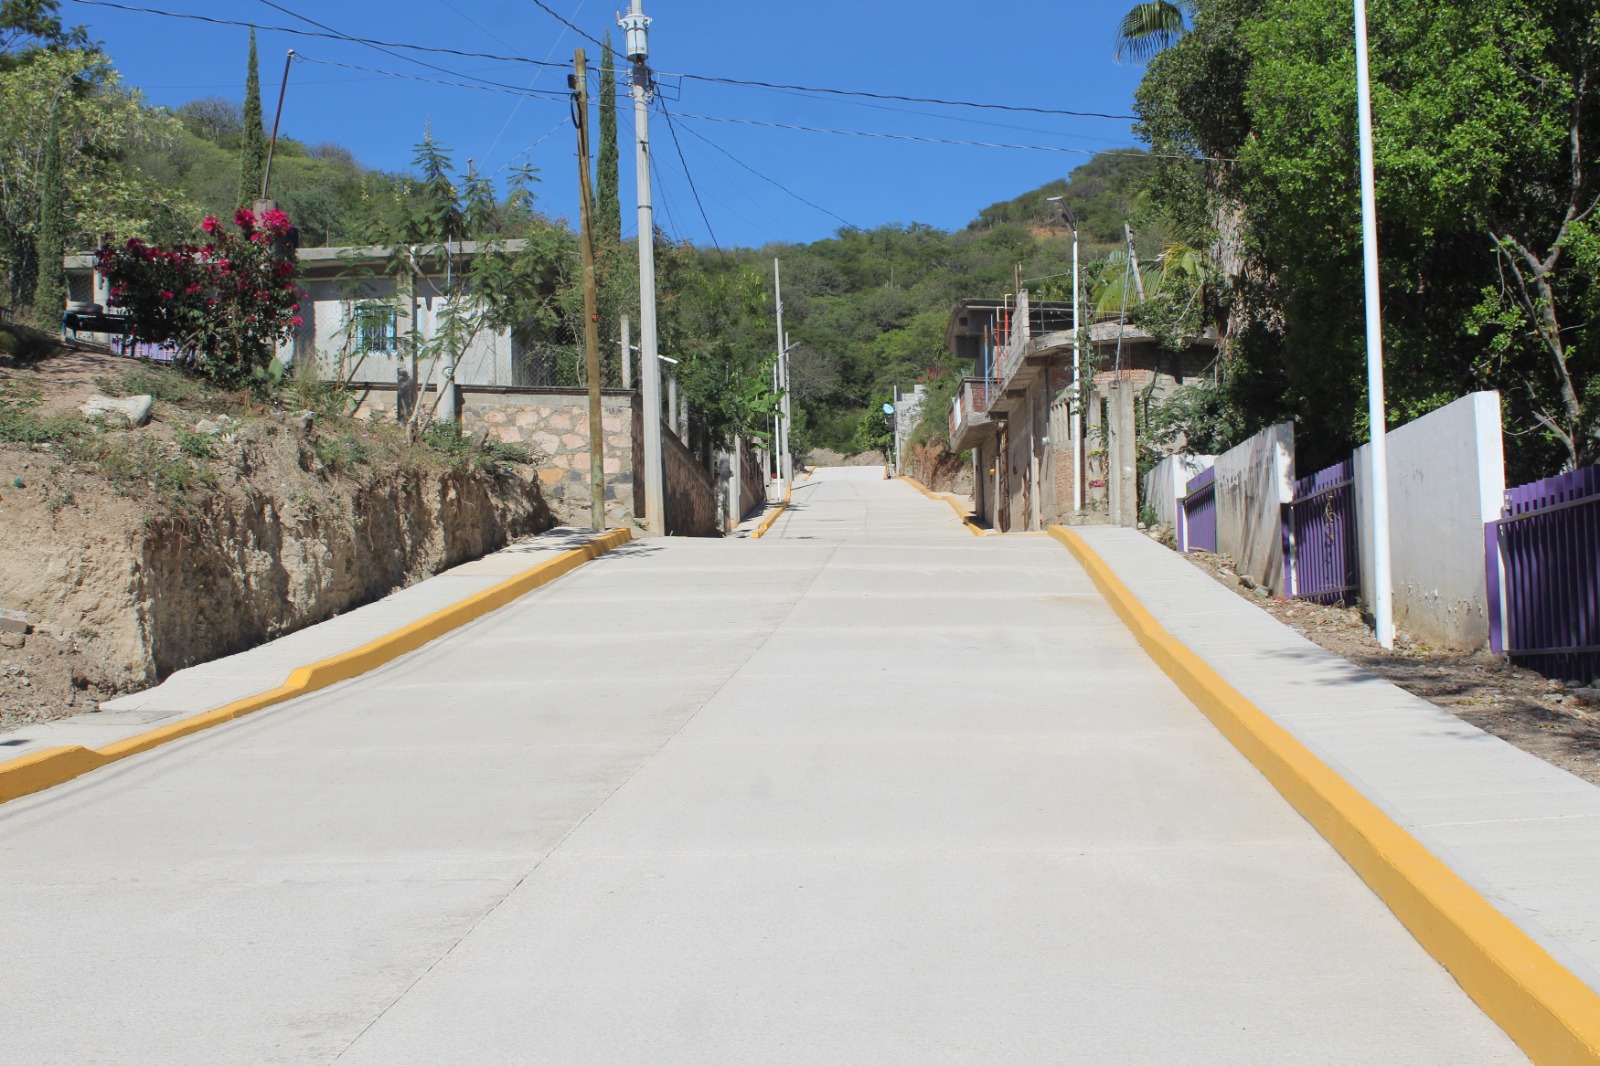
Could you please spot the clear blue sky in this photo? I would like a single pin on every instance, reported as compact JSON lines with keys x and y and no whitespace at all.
{"x":1041,"y":53}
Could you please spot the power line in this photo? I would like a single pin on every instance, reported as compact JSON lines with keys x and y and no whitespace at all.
{"x":378,"y":47}
{"x":330,"y":36}
{"x":770,"y":181}
{"x":712,"y":79}
{"x":672,"y":129}
{"x":514,"y":90}
{"x":903,"y":99}
{"x":944,"y":140}
{"x":547,"y":9}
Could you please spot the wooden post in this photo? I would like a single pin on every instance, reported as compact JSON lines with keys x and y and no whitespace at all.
{"x":591,"y":314}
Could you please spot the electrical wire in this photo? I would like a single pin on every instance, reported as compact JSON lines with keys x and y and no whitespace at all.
{"x":662,"y":106}
{"x":547,"y":9}
{"x":380,"y":48}
{"x":770,"y":181}
{"x":513,"y":90}
{"x":708,"y":78}
{"x":894,"y":96}
{"x":294,"y":31}
{"x":943,"y":140}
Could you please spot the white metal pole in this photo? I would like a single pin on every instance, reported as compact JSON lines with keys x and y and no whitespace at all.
{"x":1077,"y":386}
{"x":627,"y":352}
{"x":1382,"y":569}
{"x":636,"y":25}
{"x":785,"y":465}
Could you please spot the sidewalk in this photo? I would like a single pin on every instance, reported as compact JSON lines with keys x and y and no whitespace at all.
{"x":222,"y":681}
{"x":1523,"y":833}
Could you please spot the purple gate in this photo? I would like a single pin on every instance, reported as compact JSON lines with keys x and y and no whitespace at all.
{"x":1544,"y":575}
{"x":1320,"y":557}
{"x":1197,"y":518}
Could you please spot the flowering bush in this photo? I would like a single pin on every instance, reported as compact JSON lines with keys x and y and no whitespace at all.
{"x":225,"y":305}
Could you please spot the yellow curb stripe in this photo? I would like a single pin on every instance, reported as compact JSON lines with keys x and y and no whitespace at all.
{"x":40,"y":770}
{"x":1551,"y":1014}
{"x":966,"y":520}
{"x":766,"y":523}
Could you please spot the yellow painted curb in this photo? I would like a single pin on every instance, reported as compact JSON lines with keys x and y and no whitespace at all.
{"x":966,"y":520}
{"x":42,"y":769}
{"x":766,"y":523}
{"x":1545,"y":1008}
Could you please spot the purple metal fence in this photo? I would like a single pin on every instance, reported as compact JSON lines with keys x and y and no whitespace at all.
{"x":1320,"y":554}
{"x":1197,"y":522}
{"x":1544,"y":575}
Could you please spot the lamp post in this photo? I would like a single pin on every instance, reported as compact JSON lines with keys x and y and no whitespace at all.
{"x":1382,"y":571}
{"x":1077,"y":362}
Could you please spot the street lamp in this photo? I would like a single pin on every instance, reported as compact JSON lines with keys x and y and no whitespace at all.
{"x":1382,"y":571}
{"x":1077,"y":361}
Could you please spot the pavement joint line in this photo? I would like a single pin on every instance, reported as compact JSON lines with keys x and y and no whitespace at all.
{"x":52,"y":766}
{"x":1546,"y":1009}
{"x":966,"y":520}
{"x":592,"y":811}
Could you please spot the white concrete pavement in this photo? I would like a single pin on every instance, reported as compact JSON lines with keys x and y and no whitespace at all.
{"x":868,"y":790}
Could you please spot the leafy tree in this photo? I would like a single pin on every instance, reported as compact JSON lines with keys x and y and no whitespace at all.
{"x":608,"y":205}
{"x":98,"y":126}
{"x":253,"y":161}
{"x":49,"y":290}
{"x":27,"y":25}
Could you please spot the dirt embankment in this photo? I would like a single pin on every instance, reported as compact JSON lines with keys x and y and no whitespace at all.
{"x":940,"y":469}
{"x":137,"y":552}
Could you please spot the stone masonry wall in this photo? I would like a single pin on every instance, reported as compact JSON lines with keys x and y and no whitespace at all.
{"x":554,"y":425}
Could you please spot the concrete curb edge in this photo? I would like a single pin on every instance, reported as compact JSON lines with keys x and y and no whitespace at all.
{"x":40,"y":770}
{"x":766,"y":523}
{"x":1551,"y":1014}
{"x":966,"y":520}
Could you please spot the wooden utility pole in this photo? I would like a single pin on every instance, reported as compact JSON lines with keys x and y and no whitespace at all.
{"x":591,"y":313}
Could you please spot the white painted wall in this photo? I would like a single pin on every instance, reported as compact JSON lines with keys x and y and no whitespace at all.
{"x":1254,"y":480}
{"x":1447,"y":477}
{"x":327,"y":310}
{"x":1165,"y":484}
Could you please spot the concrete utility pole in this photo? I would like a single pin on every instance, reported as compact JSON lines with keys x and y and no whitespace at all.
{"x":627,"y":352}
{"x":1382,"y":567}
{"x":591,"y":312}
{"x":1075,"y":408}
{"x":637,"y":27}
{"x":1133,"y":258}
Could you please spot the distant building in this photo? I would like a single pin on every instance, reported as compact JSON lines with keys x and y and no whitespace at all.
{"x":1013,"y":410}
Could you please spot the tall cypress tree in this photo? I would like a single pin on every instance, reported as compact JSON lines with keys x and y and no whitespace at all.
{"x":253,"y":155}
{"x":608,"y":209}
{"x":49,"y":289}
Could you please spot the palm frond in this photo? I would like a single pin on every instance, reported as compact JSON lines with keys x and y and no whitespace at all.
{"x":1151,"y":27}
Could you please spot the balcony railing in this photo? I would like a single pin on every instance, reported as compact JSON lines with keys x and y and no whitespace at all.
{"x":969,"y":407}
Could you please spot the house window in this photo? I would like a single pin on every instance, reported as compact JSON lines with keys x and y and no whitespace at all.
{"x":373,"y":325}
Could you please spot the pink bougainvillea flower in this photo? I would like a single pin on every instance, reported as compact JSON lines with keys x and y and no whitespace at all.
{"x":244,"y":218}
{"x":276,"y":221}
{"x":194,"y":287}
{"x":167,"y":295}
{"x":297,"y":322}
{"x":210,"y":224}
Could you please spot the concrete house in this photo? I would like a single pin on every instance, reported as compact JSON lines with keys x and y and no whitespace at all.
{"x":1013,"y":411}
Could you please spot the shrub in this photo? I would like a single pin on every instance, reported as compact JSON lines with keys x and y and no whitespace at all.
{"x":225,"y":305}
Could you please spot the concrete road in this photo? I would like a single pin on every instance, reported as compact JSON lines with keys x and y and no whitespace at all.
{"x":868,"y":790}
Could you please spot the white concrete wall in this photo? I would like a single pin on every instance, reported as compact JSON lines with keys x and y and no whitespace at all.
{"x":1447,"y":477}
{"x":1254,"y":480}
{"x":1165,"y":485}
{"x":326,"y":312}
